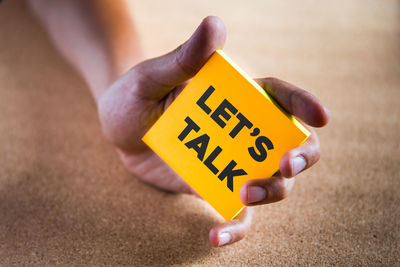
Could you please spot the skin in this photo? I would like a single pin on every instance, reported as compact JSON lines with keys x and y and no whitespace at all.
{"x":131,"y":94}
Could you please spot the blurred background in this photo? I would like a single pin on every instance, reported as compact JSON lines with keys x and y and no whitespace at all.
{"x":65,"y":198}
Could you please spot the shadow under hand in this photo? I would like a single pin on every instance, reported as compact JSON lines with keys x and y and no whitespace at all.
{"x":53,"y":224}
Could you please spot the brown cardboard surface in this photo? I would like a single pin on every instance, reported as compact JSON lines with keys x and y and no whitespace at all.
{"x":65,"y":198}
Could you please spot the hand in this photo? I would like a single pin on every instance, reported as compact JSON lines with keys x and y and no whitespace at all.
{"x":135,"y":101}
{"x":307,"y":108}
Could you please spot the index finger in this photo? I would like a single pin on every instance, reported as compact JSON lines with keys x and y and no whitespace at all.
{"x":296,"y":101}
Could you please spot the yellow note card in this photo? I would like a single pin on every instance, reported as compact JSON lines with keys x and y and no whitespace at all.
{"x":222,"y":130}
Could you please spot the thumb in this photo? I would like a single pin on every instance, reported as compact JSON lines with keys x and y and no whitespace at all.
{"x":158,"y":76}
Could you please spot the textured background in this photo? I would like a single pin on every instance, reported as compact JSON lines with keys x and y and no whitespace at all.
{"x":66,"y":199}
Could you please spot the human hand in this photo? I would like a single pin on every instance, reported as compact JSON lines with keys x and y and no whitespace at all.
{"x":136,"y":100}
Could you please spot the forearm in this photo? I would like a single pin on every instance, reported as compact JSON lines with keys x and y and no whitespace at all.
{"x":97,"y":37}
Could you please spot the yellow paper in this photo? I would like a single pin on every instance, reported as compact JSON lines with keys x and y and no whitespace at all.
{"x":222,"y":130}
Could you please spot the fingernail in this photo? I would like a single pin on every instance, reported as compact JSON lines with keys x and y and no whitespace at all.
{"x":298,"y":164}
{"x":255,"y":194}
{"x":223,"y":239}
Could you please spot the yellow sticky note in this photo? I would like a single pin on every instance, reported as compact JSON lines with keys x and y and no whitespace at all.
{"x":222,"y":130}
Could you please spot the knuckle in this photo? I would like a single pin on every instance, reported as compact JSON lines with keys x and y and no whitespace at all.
{"x":317,"y":155}
{"x":283,"y":189}
{"x":314,"y":153}
{"x":280,"y":194}
{"x":179,"y":58}
{"x":284,"y":193}
{"x":177,"y":50}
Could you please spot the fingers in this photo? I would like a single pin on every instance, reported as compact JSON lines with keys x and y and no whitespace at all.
{"x":302,"y":157}
{"x":296,"y":101}
{"x":305,"y":106}
{"x":278,"y":187}
{"x":159,"y":75}
{"x":269,"y":190}
{"x":265,"y":191}
{"x":232,"y":231}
